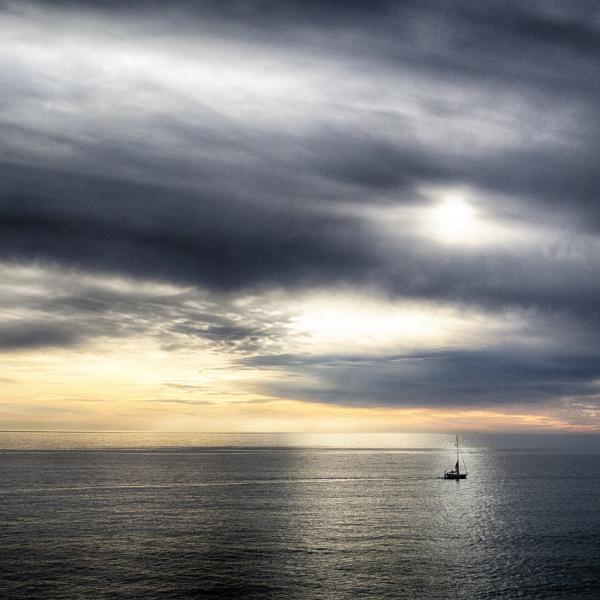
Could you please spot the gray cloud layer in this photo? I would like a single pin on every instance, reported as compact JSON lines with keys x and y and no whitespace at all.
{"x":452,"y":378}
{"x":241,"y":145}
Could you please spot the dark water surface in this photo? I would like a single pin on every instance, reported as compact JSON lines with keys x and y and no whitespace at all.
{"x":298,"y":516}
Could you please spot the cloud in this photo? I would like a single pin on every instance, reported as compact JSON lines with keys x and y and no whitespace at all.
{"x":21,"y":335}
{"x":341,"y":348}
{"x":53,"y":307}
{"x":228,"y":150}
{"x":442,"y":378}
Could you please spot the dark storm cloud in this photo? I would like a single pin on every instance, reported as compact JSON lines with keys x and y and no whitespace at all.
{"x":455,"y":378}
{"x":228,"y":244}
{"x":31,"y":335}
{"x":239,"y":146}
{"x":152,"y":231}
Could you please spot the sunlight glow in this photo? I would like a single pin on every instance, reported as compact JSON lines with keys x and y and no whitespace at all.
{"x":332,"y":322}
{"x":460,"y":217}
{"x":456,"y":217}
{"x":455,"y":221}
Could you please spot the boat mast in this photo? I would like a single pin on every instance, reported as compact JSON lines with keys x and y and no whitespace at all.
{"x":457,"y":457}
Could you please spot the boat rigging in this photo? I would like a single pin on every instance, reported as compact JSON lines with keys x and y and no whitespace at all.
{"x":456,"y":473}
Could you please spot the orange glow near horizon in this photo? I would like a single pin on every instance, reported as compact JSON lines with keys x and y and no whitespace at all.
{"x":284,"y":416}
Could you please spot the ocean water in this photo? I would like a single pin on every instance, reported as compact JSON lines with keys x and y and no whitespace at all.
{"x":298,"y":516}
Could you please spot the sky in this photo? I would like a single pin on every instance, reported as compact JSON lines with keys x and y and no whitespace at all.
{"x":241,"y":215}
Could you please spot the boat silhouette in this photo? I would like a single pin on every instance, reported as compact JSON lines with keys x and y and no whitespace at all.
{"x":456,"y":472}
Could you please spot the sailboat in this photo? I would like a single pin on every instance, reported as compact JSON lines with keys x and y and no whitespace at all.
{"x":456,"y":472}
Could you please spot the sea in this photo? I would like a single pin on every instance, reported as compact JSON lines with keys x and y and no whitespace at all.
{"x":298,"y":516}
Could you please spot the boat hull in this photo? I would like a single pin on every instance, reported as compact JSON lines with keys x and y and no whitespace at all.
{"x":455,"y":475}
